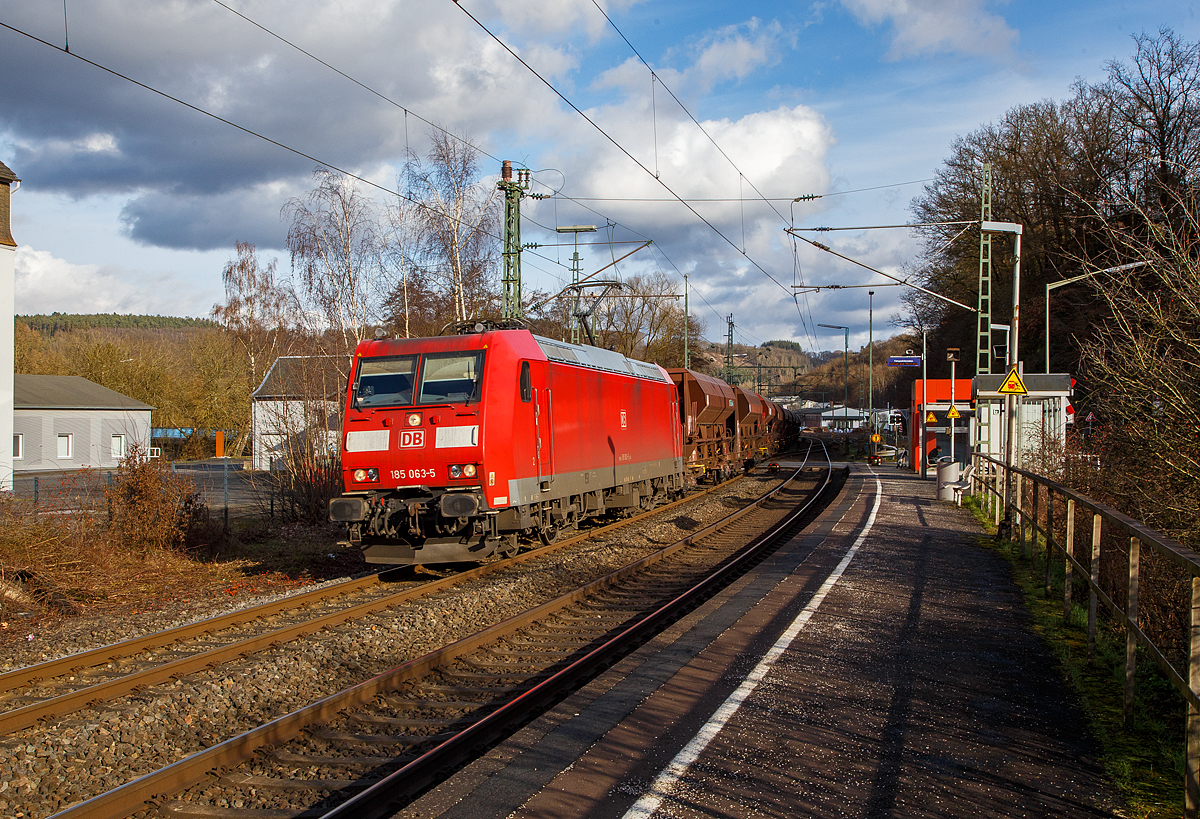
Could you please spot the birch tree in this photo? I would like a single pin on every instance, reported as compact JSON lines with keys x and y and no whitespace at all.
{"x":336,"y":244}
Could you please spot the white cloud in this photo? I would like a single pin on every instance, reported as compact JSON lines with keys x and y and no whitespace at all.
{"x":923,"y":27}
{"x":45,"y":284}
{"x":730,"y":53}
{"x":782,"y":152}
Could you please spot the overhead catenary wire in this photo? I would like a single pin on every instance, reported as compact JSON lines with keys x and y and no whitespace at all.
{"x":431,"y":124}
{"x":616,"y":144}
{"x":888,"y":227}
{"x":683,"y":107}
{"x":925,"y":290}
{"x":556,"y":194}
{"x":248,"y":131}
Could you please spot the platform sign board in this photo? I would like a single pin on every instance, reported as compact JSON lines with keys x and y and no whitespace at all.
{"x":904,"y":361}
{"x":1013,"y":385}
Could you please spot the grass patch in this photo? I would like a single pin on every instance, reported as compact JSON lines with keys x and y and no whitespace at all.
{"x":1145,"y":762}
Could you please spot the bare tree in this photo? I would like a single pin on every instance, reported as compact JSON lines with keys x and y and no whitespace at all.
{"x":459,"y":223}
{"x":1141,"y":371}
{"x":336,"y":244}
{"x":260,"y":311}
{"x":1157,"y":99}
{"x":644,"y":320}
{"x":261,"y":315}
{"x":397,"y":249}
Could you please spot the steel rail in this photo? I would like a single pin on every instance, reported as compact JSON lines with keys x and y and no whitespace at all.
{"x":73,"y":663}
{"x":377,"y":800}
{"x":29,"y":715}
{"x":184,"y":773}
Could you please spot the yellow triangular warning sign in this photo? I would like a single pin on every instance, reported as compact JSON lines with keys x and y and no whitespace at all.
{"x":953,"y":413}
{"x":929,"y":419}
{"x":1013,"y":385}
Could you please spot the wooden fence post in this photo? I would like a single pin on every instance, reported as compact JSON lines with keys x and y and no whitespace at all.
{"x":1068,"y":567}
{"x":1131,"y":612}
{"x":1023,"y":520}
{"x":1049,"y":535}
{"x":1191,"y":763}
{"x":1093,"y":600}
{"x":1033,"y":533}
{"x":996,"y":504}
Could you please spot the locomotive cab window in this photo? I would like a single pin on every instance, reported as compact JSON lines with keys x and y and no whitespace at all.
{"x":526,"y":383}
{"x":385,"y":382}
{"x":451,"y":378}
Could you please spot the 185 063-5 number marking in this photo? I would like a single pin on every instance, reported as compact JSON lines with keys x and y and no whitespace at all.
{"x":413,"y":474}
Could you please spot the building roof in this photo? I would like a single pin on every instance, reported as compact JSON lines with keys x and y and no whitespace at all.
{"x":6,"y":174}
{"x":304,"y":377}
{"x":68,"y":392}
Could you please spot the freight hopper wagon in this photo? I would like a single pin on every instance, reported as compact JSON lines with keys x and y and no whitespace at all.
{"x":752,"y":427}
{"x":710,"y":431}
{"x":453,"y":447}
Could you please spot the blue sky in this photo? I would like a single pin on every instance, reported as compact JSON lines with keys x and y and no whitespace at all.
{"x":131,"y":203}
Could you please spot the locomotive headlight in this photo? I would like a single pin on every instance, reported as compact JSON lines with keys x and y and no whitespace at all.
{"x":414,"y":419}
{"x":469,"y":470}
{"x":366,"y":475}
{"x":456,"y":471}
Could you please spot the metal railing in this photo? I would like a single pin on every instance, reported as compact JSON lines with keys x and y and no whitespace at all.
{"x":1032,"y":503}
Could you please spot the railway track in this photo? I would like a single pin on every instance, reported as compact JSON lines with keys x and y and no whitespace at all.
{"x":365,"y":748}
{"x":45,"y":691}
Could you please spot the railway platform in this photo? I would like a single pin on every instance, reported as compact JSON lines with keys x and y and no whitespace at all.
{"x":881,"y":664}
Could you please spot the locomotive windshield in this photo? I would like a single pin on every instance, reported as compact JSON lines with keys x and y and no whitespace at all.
{"x":451,"y":378}
{"x":385,"y":382}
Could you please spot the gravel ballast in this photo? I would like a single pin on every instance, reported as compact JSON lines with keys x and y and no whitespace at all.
{"x":47,"y":768}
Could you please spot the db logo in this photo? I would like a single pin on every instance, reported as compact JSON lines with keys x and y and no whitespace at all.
{"x":412,"y":438}
{"x":624,"y":420}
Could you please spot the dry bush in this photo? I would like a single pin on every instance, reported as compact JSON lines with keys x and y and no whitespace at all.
{"x":151,"y":508}
{"x":303,"y":488}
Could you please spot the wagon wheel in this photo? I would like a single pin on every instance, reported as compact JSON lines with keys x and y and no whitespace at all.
{"x":508,"y":546}
{"x":548,"y":534}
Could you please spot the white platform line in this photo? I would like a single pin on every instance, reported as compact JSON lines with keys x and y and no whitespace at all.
{"x":666,"y":781}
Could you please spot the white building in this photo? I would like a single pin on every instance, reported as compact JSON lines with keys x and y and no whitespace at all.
{"x":8,"y":257}
{"x":63,"y":422}
{"x":296,"y":411}
{"x":1042,"y":414}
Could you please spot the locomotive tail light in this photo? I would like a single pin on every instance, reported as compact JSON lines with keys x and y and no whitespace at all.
{"x":456,"y":471}
{"x":366,"y":475}
{"x":413,"y":419}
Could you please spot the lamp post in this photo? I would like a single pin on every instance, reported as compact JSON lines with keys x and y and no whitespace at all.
{"x":1054,"y":285}
{"x":845,"y":366}
{"x":871,"y":363}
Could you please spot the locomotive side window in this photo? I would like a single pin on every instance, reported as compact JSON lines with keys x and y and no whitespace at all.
{"x":526,"y":383}
{"x":451,"y":378}
{"x":385,"y":382}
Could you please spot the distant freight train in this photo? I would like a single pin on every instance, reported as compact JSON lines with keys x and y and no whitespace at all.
{"x":455,"y":447}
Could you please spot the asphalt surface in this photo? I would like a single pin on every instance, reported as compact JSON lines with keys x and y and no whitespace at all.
{"x":916,"y":688}
{"x":248,"y":492}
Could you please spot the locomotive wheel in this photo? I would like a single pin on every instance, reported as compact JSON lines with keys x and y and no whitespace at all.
{"x":548,"y":534}
{"x":508,"y":546}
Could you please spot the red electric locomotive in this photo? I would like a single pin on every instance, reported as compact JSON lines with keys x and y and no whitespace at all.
{"x":454,"y":446}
